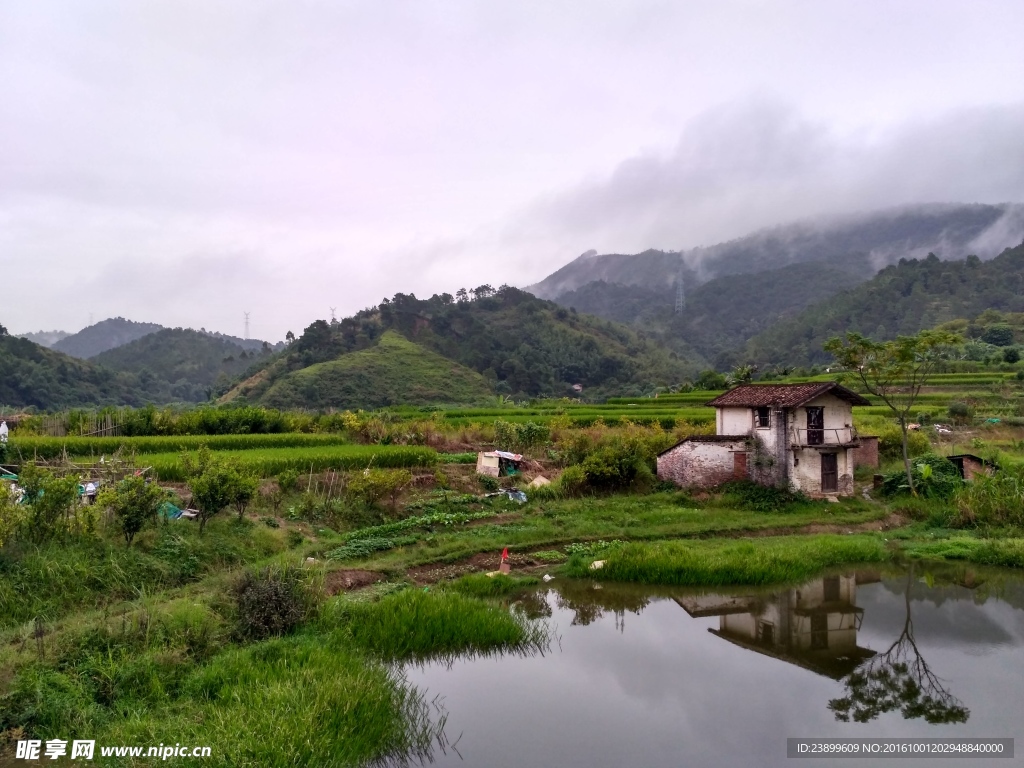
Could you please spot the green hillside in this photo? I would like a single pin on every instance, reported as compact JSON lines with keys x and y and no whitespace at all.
{"x":521,"y":345}
{"x":393,"y":372}
{"x":177,"y":364}
{"x":902,"y":299}
{"x":721,"y":315}
{"x":31,"y":375}
{"x":104,"y":335}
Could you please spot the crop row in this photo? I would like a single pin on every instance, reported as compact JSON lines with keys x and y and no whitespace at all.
{"x":52,"y":447}
{"x":272,"y":461}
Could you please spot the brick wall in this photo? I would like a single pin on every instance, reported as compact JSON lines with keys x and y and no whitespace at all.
{"x":866,"y":455}
{"x":700,"y":464}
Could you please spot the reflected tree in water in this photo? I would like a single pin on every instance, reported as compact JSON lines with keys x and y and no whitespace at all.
{"x":589,"y":604}
{"x":898,"y":679}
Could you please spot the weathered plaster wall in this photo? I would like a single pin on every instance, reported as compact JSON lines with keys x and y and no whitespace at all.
{"x":735,"y":421}
{"x":805,"y":475}
{"x":699,"y":464}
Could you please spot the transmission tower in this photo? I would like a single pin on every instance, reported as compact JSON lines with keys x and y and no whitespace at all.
{"x":680,"y":295}
{"x":246,"y":324}
{"x":333,"y":310}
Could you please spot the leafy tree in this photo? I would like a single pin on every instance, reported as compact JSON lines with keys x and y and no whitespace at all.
{"x":213,"y":488}
{"x":51,"y":502}
{"x":133,"y":502}
{"x":894,"y":371}
{"x":1011,"y":355}
{"x":999,"y":335}
{"x":710,"y":380}
{"x":245,"y":486}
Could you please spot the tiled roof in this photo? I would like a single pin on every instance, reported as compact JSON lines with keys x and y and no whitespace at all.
{"x":783,"y":395}
{"x":707,"y":439}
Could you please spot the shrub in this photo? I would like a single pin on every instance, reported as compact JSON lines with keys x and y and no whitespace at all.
{"x":615,"y":469}
{"x":134,"y":502}
{"x":890,"y":443}
{"x":488,"y":483}
{"x":960,"y":413}
{"x":763,"y":498}
{"x":935,"y":477}
{"x":573,"y":480}
{"x":269,"y":602}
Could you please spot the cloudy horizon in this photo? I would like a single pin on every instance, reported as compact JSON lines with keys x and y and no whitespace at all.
{"x":181,"y":163}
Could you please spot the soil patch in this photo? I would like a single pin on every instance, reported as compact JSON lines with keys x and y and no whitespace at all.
{"x":482,"y":562}
{"x":346,"y":580}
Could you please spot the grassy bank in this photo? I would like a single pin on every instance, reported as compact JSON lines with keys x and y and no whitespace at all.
{"x":716,"y":563}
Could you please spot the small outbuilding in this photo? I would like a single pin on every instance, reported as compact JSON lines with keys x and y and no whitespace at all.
{"x":498,"y":463}
{"x":969,"y":465}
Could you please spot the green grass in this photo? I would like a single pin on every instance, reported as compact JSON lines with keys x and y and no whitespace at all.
{"x":52,"y":447}
{"x":54,"y":579}
{"x":305,"y":700}
{"x":1007,"y":553}
{"x":499,"y":585}
{"x":422,"y":625}
{"x":714,"y":564}
{"x":267,"y":462}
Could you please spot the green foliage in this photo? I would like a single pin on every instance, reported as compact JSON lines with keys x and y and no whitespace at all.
{"x":1011,"y":356}
{"x":573,"y":480}
{"x":52,"y":504}
{"x":519,"y":437}
{"x":499,"y":585}
{"x":488,"y":483}
{"x":287,"y":479}
{"x":960,"y":413}
{"x":725,"y":563}
{"x":372,"y":485}
{"x":992,"y":500}
{"x":911,"y":296}
{"x":134,"y":502}
{"x":267,"y":462}
{"x":935,"y":477}
{"x":420,"y":626}
{"x":213,"y":489}
{"x":763,"y":498}
{"x":178,"y":365}
{"x":364,"y":547}
{"x":616,"y":468}
{"x":890,"y":443}
{"x":271,"y":602}
{"x":591,"y":548}
{"x":395,"y":371}
{"x":998,"y":335}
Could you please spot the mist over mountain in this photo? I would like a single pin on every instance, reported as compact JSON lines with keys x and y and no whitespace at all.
{"x":858,"y":243}
{"x":44,"y":338}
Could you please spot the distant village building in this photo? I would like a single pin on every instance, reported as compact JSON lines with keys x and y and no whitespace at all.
{"x":795,"y":435}
{"x":969,"y":465}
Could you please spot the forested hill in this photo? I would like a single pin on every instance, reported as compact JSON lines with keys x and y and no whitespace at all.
{"x":181,"y":365}
{"x":31,"y":375}
{"x":520,"y":345}
{"x":901,"y":299}
{"x":104,"y":335}
{"x":878,"y":238}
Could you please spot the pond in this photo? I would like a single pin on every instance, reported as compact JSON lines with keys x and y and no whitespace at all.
{"x":670,"y":677}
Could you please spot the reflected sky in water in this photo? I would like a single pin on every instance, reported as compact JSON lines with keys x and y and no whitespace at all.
{"x":636,"y":680}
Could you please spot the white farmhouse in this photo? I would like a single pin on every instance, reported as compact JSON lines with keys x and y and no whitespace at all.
{"x":795,"y":435}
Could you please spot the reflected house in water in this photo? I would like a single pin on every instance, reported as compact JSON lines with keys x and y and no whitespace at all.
{"x":813,"y":626}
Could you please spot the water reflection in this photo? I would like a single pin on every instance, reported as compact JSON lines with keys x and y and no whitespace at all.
{"x":635,"y":680}
{"x":898,"y":678}
{"x":813,"y":626}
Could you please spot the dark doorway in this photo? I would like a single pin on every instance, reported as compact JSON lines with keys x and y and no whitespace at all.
{"x":815,"y":426}
{"x":819,"y":631}
{"x":739,"y":465}
{"x":831,"y":589}
{"x":829,"y":473}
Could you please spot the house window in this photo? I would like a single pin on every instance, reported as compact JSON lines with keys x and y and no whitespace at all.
{"x":762,"y":418}
{"x":819,"y":631}
{"x":766,"y":633}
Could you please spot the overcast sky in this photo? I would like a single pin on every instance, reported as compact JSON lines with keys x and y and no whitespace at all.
{"x":182,"y":162}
